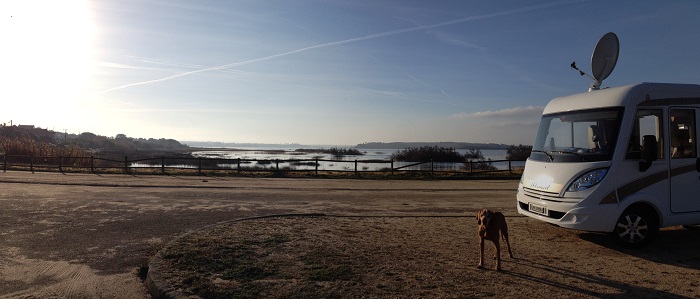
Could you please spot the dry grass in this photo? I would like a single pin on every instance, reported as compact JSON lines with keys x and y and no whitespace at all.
{"x":306,"y":258}
{"x":419,"y":257}
{"x":29,"y":147}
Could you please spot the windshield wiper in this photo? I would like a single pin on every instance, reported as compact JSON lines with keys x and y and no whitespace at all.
{"x":583,"y":159}
{"x":549,"y":156}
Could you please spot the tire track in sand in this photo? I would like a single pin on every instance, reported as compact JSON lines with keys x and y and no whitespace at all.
{"x":35,"y":278}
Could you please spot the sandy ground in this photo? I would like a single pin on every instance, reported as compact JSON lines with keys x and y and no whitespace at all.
{"x":86,"y":236}
{"x":436,"y":257}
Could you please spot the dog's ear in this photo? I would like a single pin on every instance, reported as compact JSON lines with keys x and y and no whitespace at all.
{"x":478,"y":218}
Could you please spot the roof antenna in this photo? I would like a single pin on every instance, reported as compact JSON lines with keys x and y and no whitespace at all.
{"x":603,"y":59}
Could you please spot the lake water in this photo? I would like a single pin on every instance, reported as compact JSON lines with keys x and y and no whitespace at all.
{"x":371,"y":160}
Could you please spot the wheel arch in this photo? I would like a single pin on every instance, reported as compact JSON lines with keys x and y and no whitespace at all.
{"x":636,"y":225}
{"x":648,"y":207}
{"x":641,"y":204}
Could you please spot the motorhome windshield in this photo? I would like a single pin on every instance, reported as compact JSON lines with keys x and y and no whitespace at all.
{"x":577,"y":136}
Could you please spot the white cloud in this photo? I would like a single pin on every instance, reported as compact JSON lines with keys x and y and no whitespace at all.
{"x":454,"y":40}
{"x":517,"y":112}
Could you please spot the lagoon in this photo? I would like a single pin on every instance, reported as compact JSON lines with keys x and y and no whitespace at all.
{"x":303,"y":159}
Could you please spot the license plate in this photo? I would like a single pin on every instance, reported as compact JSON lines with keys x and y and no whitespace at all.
{"x":538,"y":209}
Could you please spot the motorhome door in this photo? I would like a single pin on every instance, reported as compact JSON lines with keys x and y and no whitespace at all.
{"x":685,"y":178}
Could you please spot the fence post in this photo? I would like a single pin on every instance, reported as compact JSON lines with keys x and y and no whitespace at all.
{"x":126,"y":164}
{"x":510,"y":170}
{"x":60,"y":164}
{"x":162,"y":164}
{"x":355,"y":166}
{"x":239,"y":165}
{"x":277,"y":164}
{"x":392,"y":166}
{"x":316,"y":165}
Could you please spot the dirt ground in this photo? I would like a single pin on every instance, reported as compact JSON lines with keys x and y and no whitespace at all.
{"x":87,"y":236}
{"x":426,"y":257}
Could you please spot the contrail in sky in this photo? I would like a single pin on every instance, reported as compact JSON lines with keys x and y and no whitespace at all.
{"x":347,"y":41}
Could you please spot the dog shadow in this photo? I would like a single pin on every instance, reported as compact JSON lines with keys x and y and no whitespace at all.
{"x":624,"y":290}
{"x":674,"y":246}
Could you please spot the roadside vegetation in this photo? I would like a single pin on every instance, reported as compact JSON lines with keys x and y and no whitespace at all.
{"x":336,"y":152}
{"x":16,"y":140}
{"x":427,"y":154}
{"x":518,"y":152}
{"x":473,"y":159}
{"x":31,"y":147}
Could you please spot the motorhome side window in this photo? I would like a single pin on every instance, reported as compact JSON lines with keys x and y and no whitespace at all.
{"x":648,"y":122}
{"x":682,"y":133}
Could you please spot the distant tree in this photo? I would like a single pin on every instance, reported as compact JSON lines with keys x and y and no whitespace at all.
{"x":473,"y":154}
{"x":338,"y":153}
{"x":87,"y":135}
{"x":427,"y":154}
{"x":518,"y":152}
{"x":476,"y":160}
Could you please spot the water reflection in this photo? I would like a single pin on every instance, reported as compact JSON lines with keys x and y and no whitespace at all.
{"x":370,"y":160}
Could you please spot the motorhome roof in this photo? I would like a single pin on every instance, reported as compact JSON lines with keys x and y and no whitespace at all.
{"x":623,"y":96}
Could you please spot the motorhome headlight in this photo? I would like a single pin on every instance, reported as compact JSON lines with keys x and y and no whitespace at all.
{"x":588,"y":180}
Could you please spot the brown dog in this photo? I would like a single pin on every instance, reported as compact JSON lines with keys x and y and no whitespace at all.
{"x":491,"y":225}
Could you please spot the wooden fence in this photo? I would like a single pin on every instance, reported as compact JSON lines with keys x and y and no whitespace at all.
{"x":204,"y":165}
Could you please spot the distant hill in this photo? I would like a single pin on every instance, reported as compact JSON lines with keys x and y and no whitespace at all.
{"x":217,"y":144}
{"x":455,"y":145}
{"x":366,"y":145}
{"x":86,"y":141}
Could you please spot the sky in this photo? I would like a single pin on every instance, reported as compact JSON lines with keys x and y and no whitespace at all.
{"x":338,"y":72}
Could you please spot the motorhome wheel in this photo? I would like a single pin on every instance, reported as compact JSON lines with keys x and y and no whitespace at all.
{"x":635,"y":228}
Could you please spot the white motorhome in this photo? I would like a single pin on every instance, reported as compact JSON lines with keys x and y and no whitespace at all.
{"x":622,"y":160}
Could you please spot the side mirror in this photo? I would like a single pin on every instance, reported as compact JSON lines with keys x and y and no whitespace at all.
{"x":649,"y":152}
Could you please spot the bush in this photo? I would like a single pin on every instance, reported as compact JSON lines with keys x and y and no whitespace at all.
{"x":338,"y":153}
{"x":29,"y":147}
{"x":427,"y":154}
{"x":476,"y":161}
{"x":518,"y":152}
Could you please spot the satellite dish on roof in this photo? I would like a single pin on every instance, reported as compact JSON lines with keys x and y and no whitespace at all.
{"x":603,"y":59}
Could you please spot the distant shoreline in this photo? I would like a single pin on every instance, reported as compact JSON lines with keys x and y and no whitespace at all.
{"x":213,"y":146}
{"x":455,"y":145}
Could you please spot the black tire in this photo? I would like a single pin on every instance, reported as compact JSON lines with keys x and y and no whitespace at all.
{"x":635,"y":228}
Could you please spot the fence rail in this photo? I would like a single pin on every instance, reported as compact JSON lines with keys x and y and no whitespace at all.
{"x":203,"y":165}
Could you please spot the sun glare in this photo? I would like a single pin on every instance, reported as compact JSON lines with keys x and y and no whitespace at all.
{"x":46,"y":58}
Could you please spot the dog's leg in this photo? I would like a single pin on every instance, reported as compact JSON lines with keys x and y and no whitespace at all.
{"x":504,"y":234}
{"x":505,"y":237}
{"x":498,"y":254}
{"x":481,"y":254}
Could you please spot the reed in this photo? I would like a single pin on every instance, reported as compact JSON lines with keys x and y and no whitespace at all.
{"x":24,"y":146}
